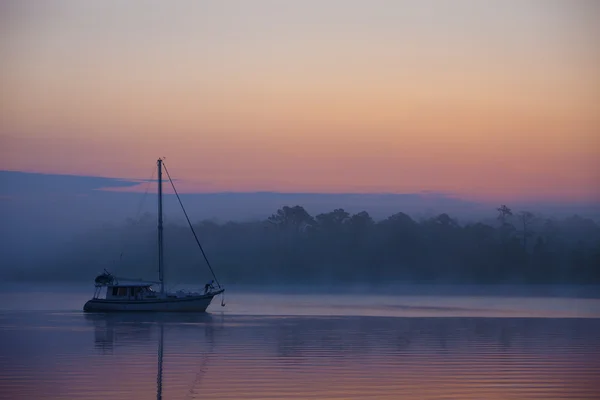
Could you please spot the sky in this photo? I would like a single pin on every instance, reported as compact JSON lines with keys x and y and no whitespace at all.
{"x":486,"y":101}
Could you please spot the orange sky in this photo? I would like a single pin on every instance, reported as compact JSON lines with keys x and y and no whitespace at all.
{"x":494,"y":100}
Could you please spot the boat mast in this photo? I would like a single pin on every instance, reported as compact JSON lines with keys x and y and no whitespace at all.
{"x":160,"y":228}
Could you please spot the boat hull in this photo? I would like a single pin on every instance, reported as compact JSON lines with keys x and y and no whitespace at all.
{"x":181,"y":304}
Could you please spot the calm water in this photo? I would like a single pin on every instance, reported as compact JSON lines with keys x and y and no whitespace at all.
{"x":305,"y":347}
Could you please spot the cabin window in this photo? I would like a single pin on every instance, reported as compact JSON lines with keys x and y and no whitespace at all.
{"x":114,"y":291}
{"x":122,"y":291}
{"x":134,"y":291}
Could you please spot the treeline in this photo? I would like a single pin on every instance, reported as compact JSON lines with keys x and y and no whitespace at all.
{"x":295,"y":247}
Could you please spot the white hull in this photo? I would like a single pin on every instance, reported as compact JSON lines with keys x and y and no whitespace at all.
{"x":182,"y":304}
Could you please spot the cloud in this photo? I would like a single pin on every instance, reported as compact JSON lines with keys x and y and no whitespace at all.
{"x":18,"y":184}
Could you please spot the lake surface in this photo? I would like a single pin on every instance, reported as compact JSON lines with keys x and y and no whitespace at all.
{"x":330,"y":346}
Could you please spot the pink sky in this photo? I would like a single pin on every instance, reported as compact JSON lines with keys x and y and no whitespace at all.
{"x":481,"y":99}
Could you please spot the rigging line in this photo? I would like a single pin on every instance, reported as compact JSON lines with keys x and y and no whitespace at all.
{"x":145,"y":194}
{"x":137,"y":216}
{"x":202,"y":369}
{"x":191,"y":227}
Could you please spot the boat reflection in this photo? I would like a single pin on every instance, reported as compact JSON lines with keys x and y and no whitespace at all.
{"x":112,"y":331}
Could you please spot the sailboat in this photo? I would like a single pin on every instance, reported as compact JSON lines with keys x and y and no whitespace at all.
{"x":121,"y":294}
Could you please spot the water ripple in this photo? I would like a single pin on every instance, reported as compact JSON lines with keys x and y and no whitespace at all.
{"x":66,"y":355}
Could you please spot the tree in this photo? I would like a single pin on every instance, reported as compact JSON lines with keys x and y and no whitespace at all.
{"x":295,"y":218}
{"x":400,"y":219}
{"x":361,"y":221}
{"x":504,"y":213}
{"x":526,"y":218}
{"x":506,"y":228}
{"x":333,"y":220}
{"x":444,"y":220}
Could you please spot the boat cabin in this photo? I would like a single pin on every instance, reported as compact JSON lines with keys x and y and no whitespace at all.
{"x":130,"y":291}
